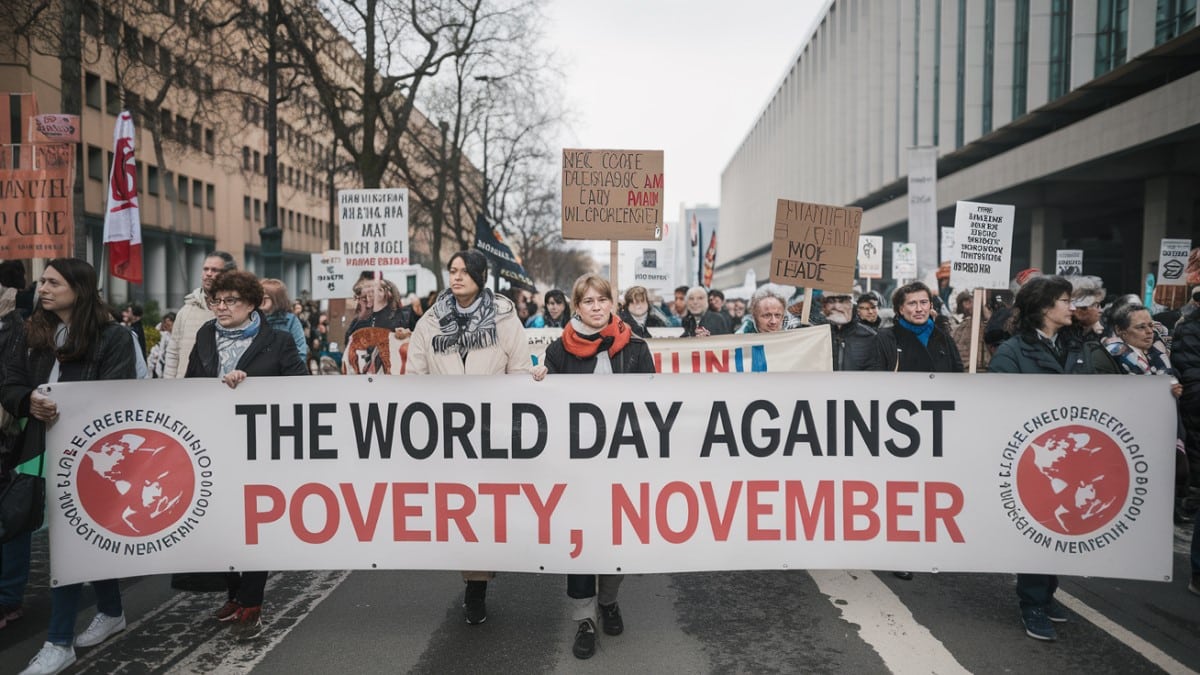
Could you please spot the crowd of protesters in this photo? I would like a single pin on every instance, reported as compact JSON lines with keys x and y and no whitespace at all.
{"x":236,"y":326}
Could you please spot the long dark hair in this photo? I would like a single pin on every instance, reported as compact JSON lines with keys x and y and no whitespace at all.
{"x":89,"y":315}
{"x":1034,"y":298}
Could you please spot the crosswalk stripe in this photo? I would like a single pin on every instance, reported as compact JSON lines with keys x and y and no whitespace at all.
{"x":223,"y":655}
{"x":885,"y":623}
{"x":1151,"y":653}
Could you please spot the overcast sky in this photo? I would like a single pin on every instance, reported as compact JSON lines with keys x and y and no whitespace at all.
{"x":688,"y":77}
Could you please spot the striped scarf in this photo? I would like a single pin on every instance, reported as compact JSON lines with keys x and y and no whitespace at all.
{"x":464,"y":329}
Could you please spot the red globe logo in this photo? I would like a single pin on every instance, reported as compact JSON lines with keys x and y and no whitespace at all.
{"x":1073,"y":479}
{"x":136,"y":482}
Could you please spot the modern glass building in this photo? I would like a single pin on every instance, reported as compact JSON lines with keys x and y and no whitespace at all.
{"x":1084,"y":114}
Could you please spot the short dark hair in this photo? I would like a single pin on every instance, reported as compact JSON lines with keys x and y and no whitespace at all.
{"x":476,"y":265}
{"x":230,"y":263}
{"x":717,"y":293}
{"x":681,"y":289}
{"x":1120,"y":317}
{"x":901,"y":294}
{"x":245,"y":284}
{"x":136,"y":310}
{"x":1035,"y":297}
{"x":867,"y":297}
{"x":12,"y":274}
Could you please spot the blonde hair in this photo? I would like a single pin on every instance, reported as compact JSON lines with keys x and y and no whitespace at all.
{"x":277,"y":291}
{"x":636,"y":294}
{"x":594,"y":281}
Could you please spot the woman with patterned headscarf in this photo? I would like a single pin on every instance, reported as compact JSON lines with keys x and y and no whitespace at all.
{"x":468,"y":330}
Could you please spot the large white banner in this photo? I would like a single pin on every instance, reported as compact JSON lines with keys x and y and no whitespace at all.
{"x":637,"y":473}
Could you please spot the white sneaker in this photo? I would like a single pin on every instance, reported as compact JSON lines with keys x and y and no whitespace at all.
{"x":103,"y":626}
{"x":52,"y":659}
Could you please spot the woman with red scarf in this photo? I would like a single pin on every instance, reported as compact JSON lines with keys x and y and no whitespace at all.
{"x":595,"y":341}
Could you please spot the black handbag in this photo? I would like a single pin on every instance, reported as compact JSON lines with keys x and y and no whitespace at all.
{"x":22,"y":504}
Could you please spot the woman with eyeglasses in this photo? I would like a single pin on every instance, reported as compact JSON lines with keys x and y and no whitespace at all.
{"x":595,"y":341}
{"x":71,"y":337}
{"x":1045,"y":344}
{"x":237,"y":344}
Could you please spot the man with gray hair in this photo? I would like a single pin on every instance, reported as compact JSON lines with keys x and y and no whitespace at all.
{"x":768,"y":310}
{"x":853,"y":342}
{"x":194,"y":314}
{"x":1087,"y":292}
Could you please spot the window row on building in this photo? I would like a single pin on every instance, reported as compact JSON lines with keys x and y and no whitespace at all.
{"x":100,"y":94}
{"x":254,"y":161}
{"x":255,"y":113}
{"x":254,"y":209}
{"x":124,"y":37}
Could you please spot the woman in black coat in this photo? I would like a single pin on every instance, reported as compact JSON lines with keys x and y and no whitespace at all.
{"x":71,"y":337}
{"x":595,"y":341}
{"x":237,"y":344}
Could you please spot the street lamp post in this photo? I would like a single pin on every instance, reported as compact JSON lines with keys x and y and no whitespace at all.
{"x":271,"y":234}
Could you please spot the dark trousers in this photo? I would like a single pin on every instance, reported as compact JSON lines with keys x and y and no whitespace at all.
{"x":246,"y":587}
{"x":1036,"y":590}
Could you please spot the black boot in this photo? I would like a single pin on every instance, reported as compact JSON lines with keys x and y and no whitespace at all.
{"x":474,"y":605}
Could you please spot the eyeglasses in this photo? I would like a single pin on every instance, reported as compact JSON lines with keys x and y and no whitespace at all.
{"x":224,"y":302}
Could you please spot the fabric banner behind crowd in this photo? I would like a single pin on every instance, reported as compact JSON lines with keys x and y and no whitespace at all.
{"x":377,"y":350}
{"x":638,"y":473}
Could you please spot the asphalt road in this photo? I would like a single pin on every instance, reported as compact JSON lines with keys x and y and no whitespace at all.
{"x":725,"y":622}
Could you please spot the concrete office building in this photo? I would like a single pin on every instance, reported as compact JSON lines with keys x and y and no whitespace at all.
{"x":1084,"y":114}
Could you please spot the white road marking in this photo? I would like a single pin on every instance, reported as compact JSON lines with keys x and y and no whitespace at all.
{"x":225,"y":656}
{"x":885,"y":622}
{"x":1145,"y":649}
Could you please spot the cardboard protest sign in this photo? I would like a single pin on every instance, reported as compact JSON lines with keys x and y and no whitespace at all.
{"x":1172,"y":261}
{"x":870,"y":256}
{"x":1068,"y":262}
{"x":374,"y":226}
{"x":612,"y":194}
{"x":904,"y":260}
{"x":982,"y":245}
{"x":815,"y":245}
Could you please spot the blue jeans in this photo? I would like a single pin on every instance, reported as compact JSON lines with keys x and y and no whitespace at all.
{"x":64,"y":605}
{"x":1036,"y":590}
{"x":14,"y":569}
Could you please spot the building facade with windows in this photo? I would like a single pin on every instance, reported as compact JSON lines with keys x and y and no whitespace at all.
{"x":1084,"y":114}
{"x":195,"y":82}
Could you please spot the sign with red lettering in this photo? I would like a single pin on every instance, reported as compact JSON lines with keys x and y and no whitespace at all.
{"x":815,"y":245}
{"x":641,"y":473}
{"x":612,"y":194}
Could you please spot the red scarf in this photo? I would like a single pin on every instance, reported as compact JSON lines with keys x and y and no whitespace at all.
{"x":612,"y":337}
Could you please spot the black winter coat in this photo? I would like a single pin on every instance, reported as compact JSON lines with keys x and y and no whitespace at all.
{"x":652,"y":321}
{"x":854,"y":347}
{"x":634,"y":358}
{"x":1027,"y":354}
{"x":271,"y":353}
{"x":1185,"y":358}
{"x":900,"y":349}
{"x":24,"y":371}
{"x":714,"y":322}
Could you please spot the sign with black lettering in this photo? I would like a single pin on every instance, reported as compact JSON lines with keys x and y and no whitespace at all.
{"x":1172,"y":262}
{"x":645,"y":473}
{"x":374,"y":227}
{"x":612,"y":194}
{"x":815,"y":245}
{"x":982,"y":245}
{"x":1068,"y":262}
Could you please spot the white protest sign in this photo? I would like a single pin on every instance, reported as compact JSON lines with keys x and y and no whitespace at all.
{"x":904,"y":260}
{"x":642,"y":473}
{"x":982,"y":245}
{"x":1172,"y":262}
{"x":1068,"y":262}
{"x":947,"y":247}
{"x":649,"y":263}
{"x":374,"y":227}
{"x":331,"y":279}
{"x":922,"y":207}
{"x":870,"y":256}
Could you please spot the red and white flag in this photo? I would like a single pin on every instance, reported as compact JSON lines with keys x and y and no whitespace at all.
{"x":122,"y":220}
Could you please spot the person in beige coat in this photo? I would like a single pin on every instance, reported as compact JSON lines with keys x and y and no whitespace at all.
{"x":194,"y":314}
{"x":470,"y":331}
